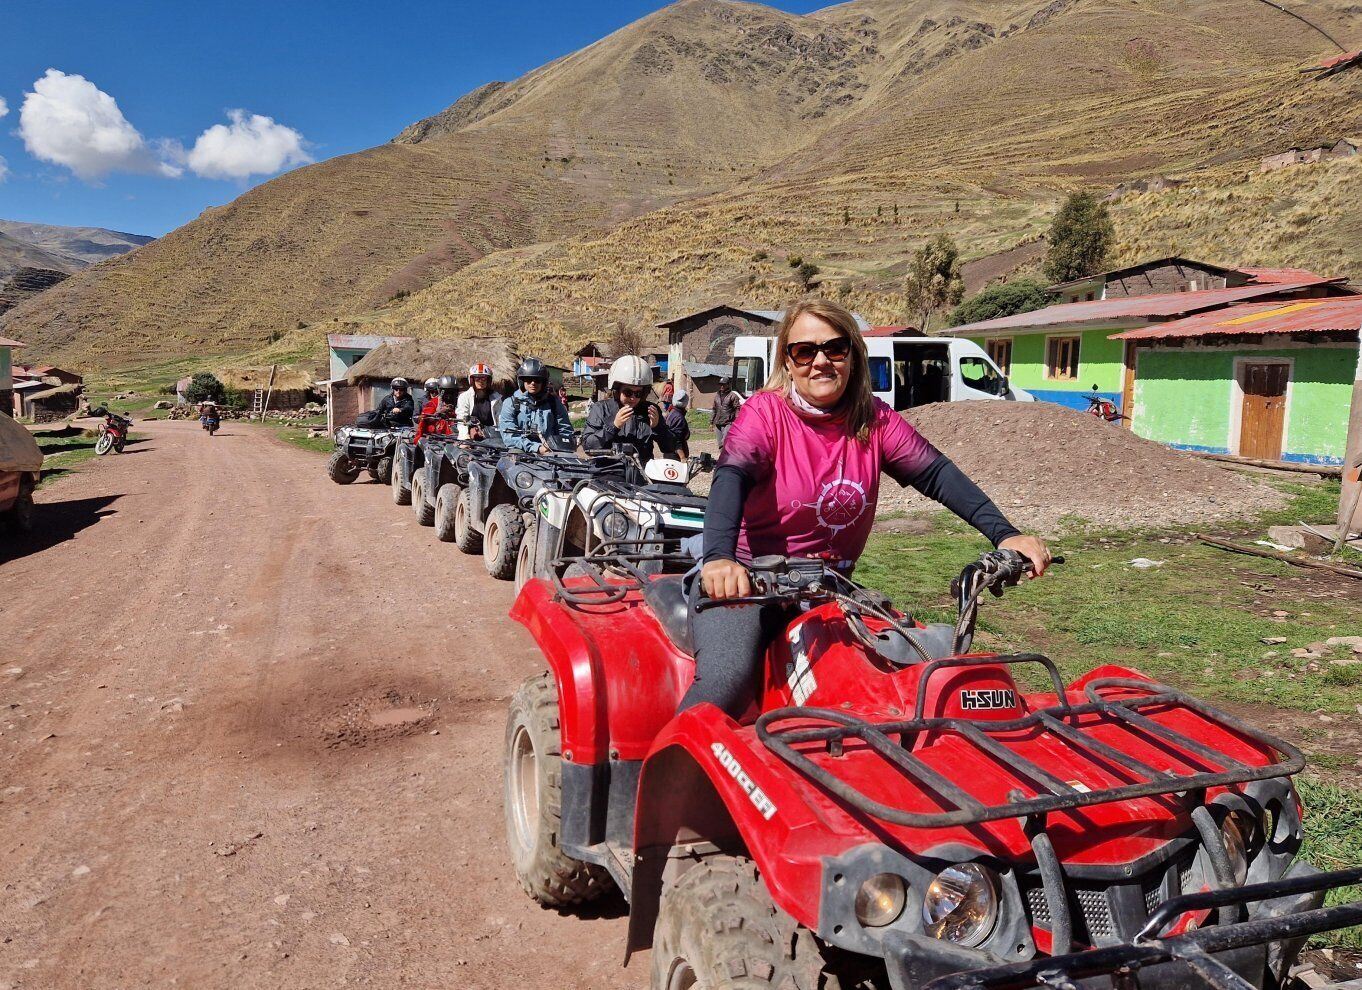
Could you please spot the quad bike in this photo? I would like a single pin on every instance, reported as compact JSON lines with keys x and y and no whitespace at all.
{"x":365,"y":448}
{"x":113,"y":432}
{"x":439,"y":478}
{"x":1102,"y":408}
{"x":599,"y":509}
{"x":896,"y":810}
{"x":497,"y":507}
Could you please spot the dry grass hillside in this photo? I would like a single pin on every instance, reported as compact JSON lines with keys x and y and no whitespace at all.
{"x":1012,"y":112}
{"x":688,"y":156}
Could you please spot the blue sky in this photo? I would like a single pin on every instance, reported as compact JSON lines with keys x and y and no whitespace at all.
{"x":340,"y":75}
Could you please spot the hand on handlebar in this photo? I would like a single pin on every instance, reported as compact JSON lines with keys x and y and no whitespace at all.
{"x":723,"y":579}
{"x":1033,"y":548}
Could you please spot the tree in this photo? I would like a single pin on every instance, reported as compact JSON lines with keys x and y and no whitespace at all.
{"x":933,"y":280}
{"x":1080,"y":237}
{"x":805,"y":273}
{"x":1005,"y":299}
{"x":204,"y":386}
{"x":626,"y":340}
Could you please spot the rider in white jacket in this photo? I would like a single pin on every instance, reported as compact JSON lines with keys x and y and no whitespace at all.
{"x":478,"y":405}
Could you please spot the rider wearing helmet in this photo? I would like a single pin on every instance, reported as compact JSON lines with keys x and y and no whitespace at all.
{"x":625,"y":418}
{"x":397,"y":407}
{"x":534,"y":419}
{"x":478,"y":407}
{"x":432,"y":404}
{"x":800,"y":477}
{"x":441,"y":419}
{"x":677,"y":425}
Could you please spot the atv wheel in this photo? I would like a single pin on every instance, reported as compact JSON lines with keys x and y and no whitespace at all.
{"x":385,"y":471}
{"x":341,"y":469}
{"x":526,"y":559}
{"x":446,"y":501}
{"x":717,"y":928}
{"x":534,"y":801}
{"x":401,"y":490}
{"x":466,"y":538}
{"x":20,"y":514}
{"x":104,"y":444}
{"x":501,"y":539}
{"x":425,"y":512}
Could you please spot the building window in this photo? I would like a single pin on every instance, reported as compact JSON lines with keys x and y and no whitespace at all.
{"x":999,"y":351}
{"x":1061,"y":358}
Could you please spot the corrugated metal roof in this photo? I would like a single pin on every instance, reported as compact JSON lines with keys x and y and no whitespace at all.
{"x":1300,"y":316}
{"x":1114,"y":273}
{"x":1153,"y":307}
{"x":697,"y":369}
{"x":6,"y":342}
{"x":1277,"y":276}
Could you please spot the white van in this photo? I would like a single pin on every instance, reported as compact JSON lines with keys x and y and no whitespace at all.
{"x":904,"y":371}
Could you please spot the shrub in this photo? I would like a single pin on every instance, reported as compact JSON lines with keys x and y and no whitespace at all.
{"x":202,"y":386}
{"x":1018,"y":296}
{"x":805,"y":273}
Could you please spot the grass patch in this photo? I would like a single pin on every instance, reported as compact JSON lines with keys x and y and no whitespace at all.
{"x":62,"y":455}
{"x":1197,"y":621}
{"x":297,"y":435}
{"x":1333,"y":836}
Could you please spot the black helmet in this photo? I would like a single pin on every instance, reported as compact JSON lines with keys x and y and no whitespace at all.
{"x":532,"y":368}
{"x":725,"y":380}
{"x":448,"y":383}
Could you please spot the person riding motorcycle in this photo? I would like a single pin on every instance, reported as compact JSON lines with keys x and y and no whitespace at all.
{"x":799,"y":477}
{"x":533,"y":419}
{"x":625,"y":419}
{"x":208,"y":410}
{"x":397,"y":407}
{"x":478,"y":407}
{"x":441,"y":419}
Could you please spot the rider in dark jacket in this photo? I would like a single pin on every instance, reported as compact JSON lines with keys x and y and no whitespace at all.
{"x":533,"y":419}
{"x":626,"y":419}
{"x":397,"y":408}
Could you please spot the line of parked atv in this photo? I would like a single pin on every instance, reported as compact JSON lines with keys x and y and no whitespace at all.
{"x":895,"y":810}
{"x":523,"y":510}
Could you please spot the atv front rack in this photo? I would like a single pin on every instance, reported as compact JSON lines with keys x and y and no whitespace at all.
{"x":1195,"y":948}
{"x":613,"y":570}
{"x":962,"y":808}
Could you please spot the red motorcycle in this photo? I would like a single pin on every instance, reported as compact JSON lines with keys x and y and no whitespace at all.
{"x":1103,"y":408}
{"x":113,"y":432}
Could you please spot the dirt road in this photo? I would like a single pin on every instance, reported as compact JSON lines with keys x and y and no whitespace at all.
{"x":250,"y":736}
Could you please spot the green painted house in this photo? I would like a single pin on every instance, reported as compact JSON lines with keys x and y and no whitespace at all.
{"x":1069,"y":350}
{"x":1268,"y":380}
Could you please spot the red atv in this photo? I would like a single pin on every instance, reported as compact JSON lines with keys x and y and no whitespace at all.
{"x":897,"y":811}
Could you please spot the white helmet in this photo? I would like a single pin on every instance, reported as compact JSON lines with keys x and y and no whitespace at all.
{"x":432,"y":384}
{"x":630,"y":370}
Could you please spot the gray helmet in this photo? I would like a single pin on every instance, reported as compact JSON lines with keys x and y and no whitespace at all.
{"x":400,"y":383}
{"x":725,"y":380}
{"x":447,"y":382}
{"x":532,"y":368}
{"x":432,"y":384}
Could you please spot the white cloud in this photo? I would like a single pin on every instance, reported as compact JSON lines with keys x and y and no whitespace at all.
{"x":4,"y":169}
{"x":4,"y":107}
{"x":250,"y":145}
{"x":67,"y":120}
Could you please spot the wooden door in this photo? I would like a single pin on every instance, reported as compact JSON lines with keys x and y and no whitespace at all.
{"x":1128,"y":387}
{"x":1260,"y":429}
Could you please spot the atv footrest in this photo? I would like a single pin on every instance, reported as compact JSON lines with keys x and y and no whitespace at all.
{"x":1128,"y":714}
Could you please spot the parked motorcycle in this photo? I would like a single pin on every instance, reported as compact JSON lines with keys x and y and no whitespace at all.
{"x":1102,"y":408}
{"x":113,"y":432}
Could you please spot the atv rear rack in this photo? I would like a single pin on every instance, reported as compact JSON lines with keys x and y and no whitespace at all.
{"x":1195,"y":948}
{"x":962,"y":808}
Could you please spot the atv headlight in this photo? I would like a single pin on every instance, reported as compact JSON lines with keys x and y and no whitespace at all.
{"x":880,"y":900}
{"x":961,"y":905}
{"x":524,"y":480}
{"x":1237,"y":831}
{"x":615,"y":524}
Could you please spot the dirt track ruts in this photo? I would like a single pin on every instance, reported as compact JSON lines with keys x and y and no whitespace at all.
{"x":256,"y":739}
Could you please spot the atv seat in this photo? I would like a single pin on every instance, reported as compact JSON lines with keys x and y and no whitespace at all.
{"x":666,"y":596}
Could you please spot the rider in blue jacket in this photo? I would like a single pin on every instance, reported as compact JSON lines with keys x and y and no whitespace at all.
{"x":533,"y":419}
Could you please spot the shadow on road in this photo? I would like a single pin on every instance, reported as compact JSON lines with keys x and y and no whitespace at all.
{"x":55,"y":522}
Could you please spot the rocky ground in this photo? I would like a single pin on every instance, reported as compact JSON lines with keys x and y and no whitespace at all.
{"x":250,"y":736}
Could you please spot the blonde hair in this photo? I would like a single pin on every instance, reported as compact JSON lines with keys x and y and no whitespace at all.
{"x":858,"y":401}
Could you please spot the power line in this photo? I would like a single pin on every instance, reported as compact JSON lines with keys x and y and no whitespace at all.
{"x":1292,"y":13}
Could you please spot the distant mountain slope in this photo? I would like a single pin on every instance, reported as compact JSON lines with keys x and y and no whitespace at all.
{"x":81,"y":246}
{"x":16,"y":254}
{"x":690,"y":155}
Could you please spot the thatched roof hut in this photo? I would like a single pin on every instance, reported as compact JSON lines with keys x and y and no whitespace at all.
{"x":286,"y":378}
{"x":417,"y":360}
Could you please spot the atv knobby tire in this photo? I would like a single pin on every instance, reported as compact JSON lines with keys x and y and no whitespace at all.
{"x":401,"y":490}
{"x":385,"y":471}
{"x":501,"y":538}
{"x":425,"y":512}
{"x":466,"y":538}
{"x":341,"y":469}
{"x":533,"y":797}
{"x":446,"y":501}
{"x":717,"y":928}
{"x":527,"y":557}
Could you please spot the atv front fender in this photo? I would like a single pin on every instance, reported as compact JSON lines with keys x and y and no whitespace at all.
{"x":710,"y":784}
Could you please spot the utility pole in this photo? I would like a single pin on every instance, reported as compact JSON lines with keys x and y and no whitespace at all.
{"x":1349,"y":502}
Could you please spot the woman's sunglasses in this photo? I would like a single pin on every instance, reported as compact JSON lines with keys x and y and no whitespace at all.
{"x":804,"y":352}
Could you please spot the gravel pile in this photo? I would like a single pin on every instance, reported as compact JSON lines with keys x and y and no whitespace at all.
{"x":1045,"y":464}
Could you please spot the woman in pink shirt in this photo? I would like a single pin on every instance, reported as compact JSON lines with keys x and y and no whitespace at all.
{"x":800,"y":476}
